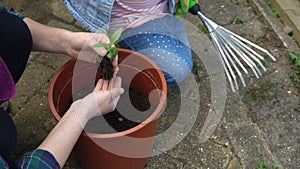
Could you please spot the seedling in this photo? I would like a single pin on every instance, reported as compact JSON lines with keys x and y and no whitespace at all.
{"x":106,"y":66}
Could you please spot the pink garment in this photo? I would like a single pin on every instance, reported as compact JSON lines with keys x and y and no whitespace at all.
{"x":129,"y":14}
{"x":7,"y":85}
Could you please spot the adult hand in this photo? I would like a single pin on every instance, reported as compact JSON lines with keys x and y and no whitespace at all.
{"x":81,"y":47}
{"x":101,"y":101}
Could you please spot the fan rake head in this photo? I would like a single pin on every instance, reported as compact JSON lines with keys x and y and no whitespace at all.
{"x":235,"y":52}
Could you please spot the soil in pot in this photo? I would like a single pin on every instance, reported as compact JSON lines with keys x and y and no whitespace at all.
{"x":133,"y":108}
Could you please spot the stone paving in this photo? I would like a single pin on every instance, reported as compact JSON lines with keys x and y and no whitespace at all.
{"x":249,"y":131}
{"x":290,"y":14}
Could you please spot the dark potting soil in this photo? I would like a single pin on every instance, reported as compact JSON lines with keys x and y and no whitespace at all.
{"x":106,"y":68}
{"x":133,"y":108}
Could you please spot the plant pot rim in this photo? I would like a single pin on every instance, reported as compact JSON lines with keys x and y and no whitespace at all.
{"x":151,"y":118}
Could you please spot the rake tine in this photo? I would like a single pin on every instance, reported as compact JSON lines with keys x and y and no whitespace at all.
{"x":240,"y":52}
{"x":226,"y":57}
{"x":251,"y":43}
{"x":246,"y":59}
{"x":222,"y":56}
{"x":250,"y":53}
{"x":211,"y":26}
{"x":252,"y":64}
{"x":228,"y":53}
{"x":237,"y":60}
{"x":231,"y":53}
{"x":246,"y":49}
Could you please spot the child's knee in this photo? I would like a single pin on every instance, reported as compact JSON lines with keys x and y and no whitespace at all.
{"x":174,"y":74}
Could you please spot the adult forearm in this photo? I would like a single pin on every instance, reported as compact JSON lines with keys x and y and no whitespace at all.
{"x":64,"y":135}
{"x":48,"y":39}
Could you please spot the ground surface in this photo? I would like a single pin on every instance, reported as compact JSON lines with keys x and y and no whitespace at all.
{"x":259,"y":122}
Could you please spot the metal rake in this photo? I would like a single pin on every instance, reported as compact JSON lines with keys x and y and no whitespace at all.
{"x":234,"y":51}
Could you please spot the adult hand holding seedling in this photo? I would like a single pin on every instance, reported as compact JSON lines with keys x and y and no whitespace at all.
{"x":80,"y":45}
{"x":110,"y":59}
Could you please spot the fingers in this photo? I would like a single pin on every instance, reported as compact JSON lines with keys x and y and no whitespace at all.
{"x":117,"y":82}
{"x":102,"y":84}
{"x":116,"y":92}
{"x":100,"y":51}
{"x":98,"y":85}
{"x":100,"y":38}
{"x":115,"y":65}
{"x":111,"y":82}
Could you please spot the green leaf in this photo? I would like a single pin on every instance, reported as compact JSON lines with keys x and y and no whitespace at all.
{"x":109,"y":35}
{"x":294,"y":55}
{"x":112,"y":53}
{"x":262,"y":165}
{"x":100,"y":45}
{"x":291,"y":73}
{"x":109,"y":55}
{"x":234,"y":2}
{"x":116,"y":35}
{"x":297,"y":61}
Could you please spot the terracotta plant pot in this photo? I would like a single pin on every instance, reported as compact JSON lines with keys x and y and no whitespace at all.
{"x":127,"y":149}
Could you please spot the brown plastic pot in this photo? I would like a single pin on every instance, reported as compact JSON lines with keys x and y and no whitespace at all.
{"x":128,"y":149}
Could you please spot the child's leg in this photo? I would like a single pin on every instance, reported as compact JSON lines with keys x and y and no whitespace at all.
{"x":164,"y":41}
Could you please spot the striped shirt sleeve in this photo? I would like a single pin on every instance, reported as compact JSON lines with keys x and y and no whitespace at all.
{"x":38,"y":159}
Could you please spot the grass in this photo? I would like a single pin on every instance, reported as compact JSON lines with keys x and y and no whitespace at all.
{"x":262,"y":165}
{"x":266,"y":60}
{"x":258,"y":16}
{"x":234,"y":2}
{"x":202,"y":28}
{"x":295,"y":69}
{"x":196,"y":68}
{"x":260,"y":91}
{"x":275,"y":12}
{"x":259,"y":40}
{"x":237,"y":20}
{"x":247,"y":4}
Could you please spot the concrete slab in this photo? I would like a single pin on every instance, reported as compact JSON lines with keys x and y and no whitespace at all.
{"x":250,"y":131}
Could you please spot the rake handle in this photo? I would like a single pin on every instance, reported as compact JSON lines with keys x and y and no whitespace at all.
{"x":195,"y":9}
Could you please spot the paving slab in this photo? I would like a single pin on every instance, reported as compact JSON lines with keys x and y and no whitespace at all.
{"x":248,"y":132}
{"x":289,"y":14}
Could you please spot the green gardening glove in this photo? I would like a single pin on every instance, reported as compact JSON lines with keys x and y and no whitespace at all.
{"x":182,"y":7}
